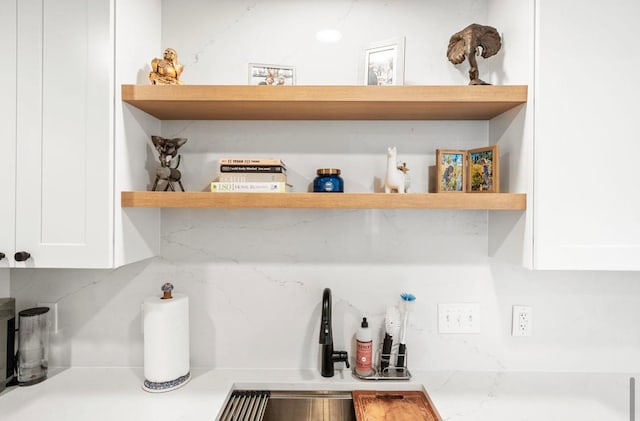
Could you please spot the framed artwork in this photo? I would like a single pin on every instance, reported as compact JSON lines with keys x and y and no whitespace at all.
{"x":484,"y":170}
{"x":271,"y":74}
{"x":384,"y":63}
{"x":451,"y":169}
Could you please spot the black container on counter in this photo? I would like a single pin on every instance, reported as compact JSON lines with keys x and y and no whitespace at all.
{"x":7,"y":340}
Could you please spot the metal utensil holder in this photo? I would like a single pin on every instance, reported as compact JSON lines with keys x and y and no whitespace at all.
{"x":388,"y":373}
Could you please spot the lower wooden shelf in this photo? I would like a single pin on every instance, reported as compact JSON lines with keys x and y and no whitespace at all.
{"x":479,"y":201}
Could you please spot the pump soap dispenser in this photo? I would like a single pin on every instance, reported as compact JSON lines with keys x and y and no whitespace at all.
{"x":364,"y":349}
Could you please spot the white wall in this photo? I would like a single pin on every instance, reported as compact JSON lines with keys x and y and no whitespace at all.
{"x":5,"y":286}
{"x":255,"y":277}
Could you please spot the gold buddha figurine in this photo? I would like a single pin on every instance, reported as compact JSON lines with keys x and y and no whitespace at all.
{"x":166,"y":70}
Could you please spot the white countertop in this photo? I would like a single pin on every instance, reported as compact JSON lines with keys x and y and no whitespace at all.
{"x":99,"y":394}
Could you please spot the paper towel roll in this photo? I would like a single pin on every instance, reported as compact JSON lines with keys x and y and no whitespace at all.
{"x":166,"y":342}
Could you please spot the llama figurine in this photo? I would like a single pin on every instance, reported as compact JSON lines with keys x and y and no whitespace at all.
{"x":395,"y":178}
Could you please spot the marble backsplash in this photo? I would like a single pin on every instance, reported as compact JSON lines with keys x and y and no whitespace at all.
{"x":255,"y":281}
{"x":255,"y":277}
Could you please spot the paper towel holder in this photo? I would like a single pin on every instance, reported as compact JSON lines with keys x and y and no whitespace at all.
{"x":166,"y":382}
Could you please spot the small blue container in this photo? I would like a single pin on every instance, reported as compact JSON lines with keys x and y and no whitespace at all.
{"x":328,"y":181}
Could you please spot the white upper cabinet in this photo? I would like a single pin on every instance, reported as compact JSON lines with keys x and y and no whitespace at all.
{"x":586,"y":197}
{"x":8,"y":124}
{"x":64,"y":213}
{"x":66,"y":119}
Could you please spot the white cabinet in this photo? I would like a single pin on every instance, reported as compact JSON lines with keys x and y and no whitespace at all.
{"x":64,"y":173}
{"x":65,"y":135}
{"x":586,"y":204}
{"x":8,"y":124}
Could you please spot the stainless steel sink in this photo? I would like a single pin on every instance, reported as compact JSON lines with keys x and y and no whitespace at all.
{"x":289,"y":405}
{"x":311,"y":405}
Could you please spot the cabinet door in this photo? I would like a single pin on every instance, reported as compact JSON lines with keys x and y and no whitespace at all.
{"x":64,"y":194}
{"x":8,"y":124}
{"x":587,"y":204}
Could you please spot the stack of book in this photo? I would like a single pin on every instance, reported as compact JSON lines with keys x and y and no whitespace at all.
{"x":251,"y":175}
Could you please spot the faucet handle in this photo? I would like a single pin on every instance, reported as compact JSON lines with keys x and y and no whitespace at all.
{"x":340,"y":356}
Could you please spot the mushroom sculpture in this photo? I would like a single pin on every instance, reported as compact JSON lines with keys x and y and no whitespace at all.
{"x":472,"y":41}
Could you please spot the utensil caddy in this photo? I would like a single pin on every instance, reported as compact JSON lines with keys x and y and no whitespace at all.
{"x":388,"y":373}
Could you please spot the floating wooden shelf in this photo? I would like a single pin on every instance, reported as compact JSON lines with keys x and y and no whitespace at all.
{"x":230,"y":102}
{"x":483,"y":201}
{"x":238,"y":102}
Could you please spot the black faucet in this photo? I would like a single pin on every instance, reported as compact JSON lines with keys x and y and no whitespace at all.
{"x":329,"y":356}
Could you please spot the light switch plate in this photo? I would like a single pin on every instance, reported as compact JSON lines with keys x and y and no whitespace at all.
{"x":459,"y":318}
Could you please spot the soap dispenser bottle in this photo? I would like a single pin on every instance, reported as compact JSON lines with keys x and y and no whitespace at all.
{"x":364,"y":349}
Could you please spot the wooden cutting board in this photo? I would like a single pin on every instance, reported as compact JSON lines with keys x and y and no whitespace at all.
{"x":371,"y":405}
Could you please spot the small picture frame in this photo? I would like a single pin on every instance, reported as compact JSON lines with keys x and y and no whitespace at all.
{"x":451,"y":168}
{"x":384,"y":63}
{"x":484,"y":170}
{"x":271,"y":74}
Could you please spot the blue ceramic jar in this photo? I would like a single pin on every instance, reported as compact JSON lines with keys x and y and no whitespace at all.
{"x":328,"y":181}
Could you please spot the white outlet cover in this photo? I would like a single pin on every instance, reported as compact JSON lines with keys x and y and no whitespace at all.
{"x":522,"y":321}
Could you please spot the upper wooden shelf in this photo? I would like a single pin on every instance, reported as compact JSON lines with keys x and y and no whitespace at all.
{"x":240,"y":102}
{"x":483,"y":201}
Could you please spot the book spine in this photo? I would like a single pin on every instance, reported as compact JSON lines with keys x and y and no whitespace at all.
{"x":243,"y":177}
{"x":250,"y":161}
{"x":248,"y":187}
{"x":253,"y":168}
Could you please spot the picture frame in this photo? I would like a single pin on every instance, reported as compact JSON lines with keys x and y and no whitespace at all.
{"x":271,"y":74}
{"x":384,"y":63}
{"x":483,"y":170}
{"x":451,"y":169}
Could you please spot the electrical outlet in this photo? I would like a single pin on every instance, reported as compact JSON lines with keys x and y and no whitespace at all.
{"x":459,"y":318}
{"x":522,"y":321}
{"x":53,"y":315}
